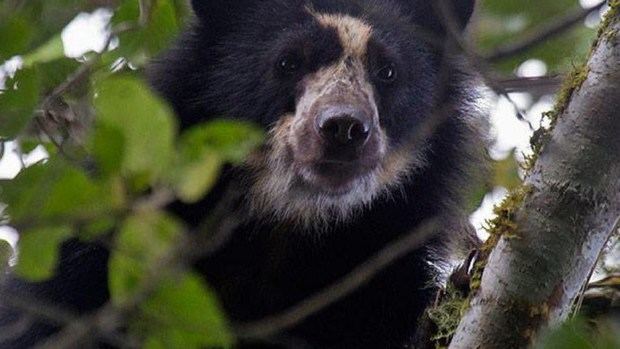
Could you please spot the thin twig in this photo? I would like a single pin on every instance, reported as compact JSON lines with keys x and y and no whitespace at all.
{"x":447,"y":16}
{"x":81,"y":73}
{"x":84,"y":69}
{"x":110,"y":317}
{"x":16,"y":328}
{"x":103,"y":325}
{"x":49,"y":313}
{"x":583,"y":290}
{"x":177,"y":260}
{"x":551,"y":28}
{"x":354,"y":280}
{"x":160,"y":198}
{"x":540,"y":86}
{"x":145,"y":12}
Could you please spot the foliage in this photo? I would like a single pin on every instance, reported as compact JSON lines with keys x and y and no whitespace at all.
{"x":104,"y":186}
{"x":447,"y":314}
{"x":505,"y":21}
{"x":578,"y":334}
{"x":5,"y":255}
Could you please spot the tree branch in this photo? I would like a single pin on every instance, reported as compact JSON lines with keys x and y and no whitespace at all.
{"x":538,"y":86}
{"x":551,"y":241}
{"x":554,"y":27}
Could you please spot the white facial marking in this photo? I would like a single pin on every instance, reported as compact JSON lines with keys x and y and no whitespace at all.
{"x":273,"y":194}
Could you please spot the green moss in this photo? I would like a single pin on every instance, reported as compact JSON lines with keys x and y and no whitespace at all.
{"x":504,"y":222}
{"x":571,"y":84}
{"x":503,"y":225}
{"x":605,"y":32}
{"x":610,"y":16}
{"x":610,"y":34}
{"x":447,"y":314}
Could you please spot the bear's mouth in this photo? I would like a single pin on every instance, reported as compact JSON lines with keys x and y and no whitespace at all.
{"x":332,"y":178}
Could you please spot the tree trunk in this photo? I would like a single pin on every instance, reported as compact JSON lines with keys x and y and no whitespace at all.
{"x":570,"y":208}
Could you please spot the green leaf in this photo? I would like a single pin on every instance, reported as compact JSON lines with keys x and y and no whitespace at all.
{"x":96,"y":228}
{"x":506,"y":173}
{"x":46,"y":18}
{"x":231,"y":140}
{"x":184,"y":313}
{"x":196,"y":177}
{"x":146,"y":123}
{"x":39,"y":251}
{"x":577,"y":334}
{"x":162,"y":26}
{"x":143,"y":239}
{"x":50,"y":51}
{"x":18,"y":102}
{"x":57,"y":191}
{"x":204,"y":149}
{"x":74,"y":193}
{"x":15,"y":35}
{"x":6,"y":251}
{"x":56,"y":72}
{"x":27,"y":145}
{"x":108,"y":148}
{"x":502,"y":22}
{"x":21,"y":193}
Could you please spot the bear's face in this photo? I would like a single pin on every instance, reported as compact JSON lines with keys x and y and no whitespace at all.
{"x":342,"y":90}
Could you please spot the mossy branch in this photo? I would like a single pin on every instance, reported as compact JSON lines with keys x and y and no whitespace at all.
{"x":548,"y":234}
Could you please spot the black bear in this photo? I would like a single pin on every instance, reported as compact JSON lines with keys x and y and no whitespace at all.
{"x":373,"y":133}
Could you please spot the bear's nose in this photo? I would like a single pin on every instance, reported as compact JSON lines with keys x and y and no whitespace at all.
{"x":344,"y":127}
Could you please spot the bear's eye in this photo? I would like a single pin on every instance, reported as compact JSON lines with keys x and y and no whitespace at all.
{"x":288,"y":65}
{"x":387,"y":73}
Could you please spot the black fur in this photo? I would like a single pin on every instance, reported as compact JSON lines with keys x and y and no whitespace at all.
{"x":223,"y":65}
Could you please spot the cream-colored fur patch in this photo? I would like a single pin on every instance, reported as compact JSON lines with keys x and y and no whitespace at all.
{"x":271,"y":197}
{"x":272,"y":194}
{"x":354,"y":33}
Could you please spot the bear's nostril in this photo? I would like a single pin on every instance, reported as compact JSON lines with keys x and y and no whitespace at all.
{"x":359,"y":132}
{"x":344,"y":130}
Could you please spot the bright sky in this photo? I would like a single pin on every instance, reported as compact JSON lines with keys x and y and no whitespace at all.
{"x":87,"y":32}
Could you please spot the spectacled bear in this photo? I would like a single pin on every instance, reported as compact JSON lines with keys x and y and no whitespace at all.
{"x":373,"y":132}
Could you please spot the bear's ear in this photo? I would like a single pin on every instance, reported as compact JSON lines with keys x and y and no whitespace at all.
{"x":427,"y":12}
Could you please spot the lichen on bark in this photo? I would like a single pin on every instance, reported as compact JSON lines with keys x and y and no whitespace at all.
{"x":503,"y":224}
{"x":549,"y":233}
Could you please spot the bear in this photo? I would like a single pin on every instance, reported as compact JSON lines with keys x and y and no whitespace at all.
{"x":374,"y":134}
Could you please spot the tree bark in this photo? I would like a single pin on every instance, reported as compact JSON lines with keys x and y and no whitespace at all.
{"x":534,"y":273}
